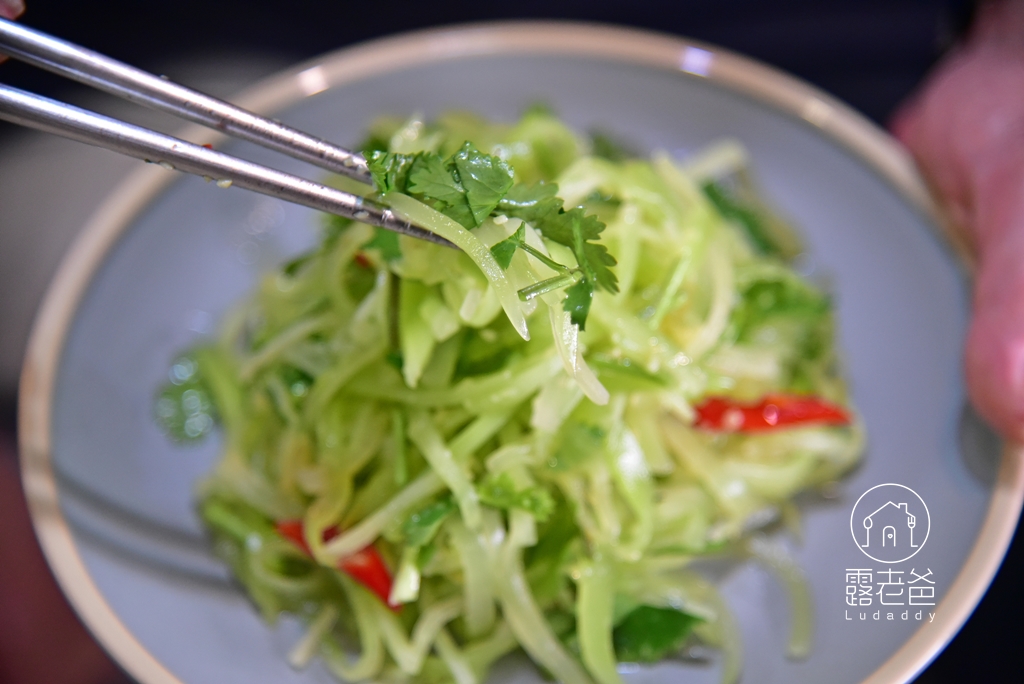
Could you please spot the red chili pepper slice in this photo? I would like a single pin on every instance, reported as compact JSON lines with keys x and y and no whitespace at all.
{"x":362,"y":260}
{"x":292,"y":531}
{"x":774,"y":411}
{"x":365,"y":567}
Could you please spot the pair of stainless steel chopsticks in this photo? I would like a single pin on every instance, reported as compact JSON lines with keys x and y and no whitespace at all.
{"x":135,"y":85}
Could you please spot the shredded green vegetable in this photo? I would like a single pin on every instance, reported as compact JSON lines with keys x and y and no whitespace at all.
{"x":501,"y":441}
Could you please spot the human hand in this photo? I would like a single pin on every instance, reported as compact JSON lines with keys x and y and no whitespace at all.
{"x":965,"y":128}
{"x":10,"y":9}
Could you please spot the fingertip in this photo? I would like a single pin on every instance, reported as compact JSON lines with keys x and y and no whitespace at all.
{"x":994,"y":364}
{"x":11,"y":9}
{"x":902,"y":123}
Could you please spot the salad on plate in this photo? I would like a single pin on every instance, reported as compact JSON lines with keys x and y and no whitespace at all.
{"x":435,"y":457}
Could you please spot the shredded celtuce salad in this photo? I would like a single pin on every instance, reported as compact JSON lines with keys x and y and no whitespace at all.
{"x":435,"y":457}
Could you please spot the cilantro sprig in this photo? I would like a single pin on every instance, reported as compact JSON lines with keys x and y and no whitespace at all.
{"x":499,"y":491}
{"x":470,"y":186}
{"x":648,"y":634}
{"x":466,"y":186}
{"x":539,"y":205}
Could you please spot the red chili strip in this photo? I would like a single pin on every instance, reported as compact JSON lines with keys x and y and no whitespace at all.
{"x":292,"y":531}
{"x":774,"y":411}
{"x":365,"y":567}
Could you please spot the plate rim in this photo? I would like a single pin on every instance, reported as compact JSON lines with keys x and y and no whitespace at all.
{"x":695,"y":59}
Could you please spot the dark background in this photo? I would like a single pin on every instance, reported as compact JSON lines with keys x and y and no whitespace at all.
{"x":870,"y":53}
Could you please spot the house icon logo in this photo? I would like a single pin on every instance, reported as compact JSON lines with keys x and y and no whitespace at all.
{"x":890,"y":523}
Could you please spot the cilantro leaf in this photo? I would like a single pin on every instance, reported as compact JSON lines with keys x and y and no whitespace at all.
{"x":433,"y":180}
{"x":486,"y":179}
{"x":579,"y":442}
{"x":577,"y":230}
{"x":466,"y":187}
{"x":648,"y":634}
{"x":744,"y":216}
{"x":460,"y":213}
{"x":600,"y":261}
{"x":420,"y":527}
{"x":429,"y":177}
{"x":499,"y":491}
{"x":531,"y":202}
{"x":626,"y":375}
{"x":782,"y":304}
{"x":387,"y":242}
{"x":537,"y":502}
{"x":767,"y":299}
{"x":390,"y":171}
{"x":577,"y":302}
{"x":504,"y":250}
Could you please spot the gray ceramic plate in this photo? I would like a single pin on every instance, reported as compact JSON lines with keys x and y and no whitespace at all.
{"x":167,"y":255}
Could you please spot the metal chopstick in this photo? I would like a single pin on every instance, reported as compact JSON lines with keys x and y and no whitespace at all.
{"x":65,"y":120}
{"x":112,"y":76}
{"x":94,"y":69}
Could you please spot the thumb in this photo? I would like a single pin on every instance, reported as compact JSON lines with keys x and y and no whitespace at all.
{"x":965,"y":129}
{"x":994,"y":358}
